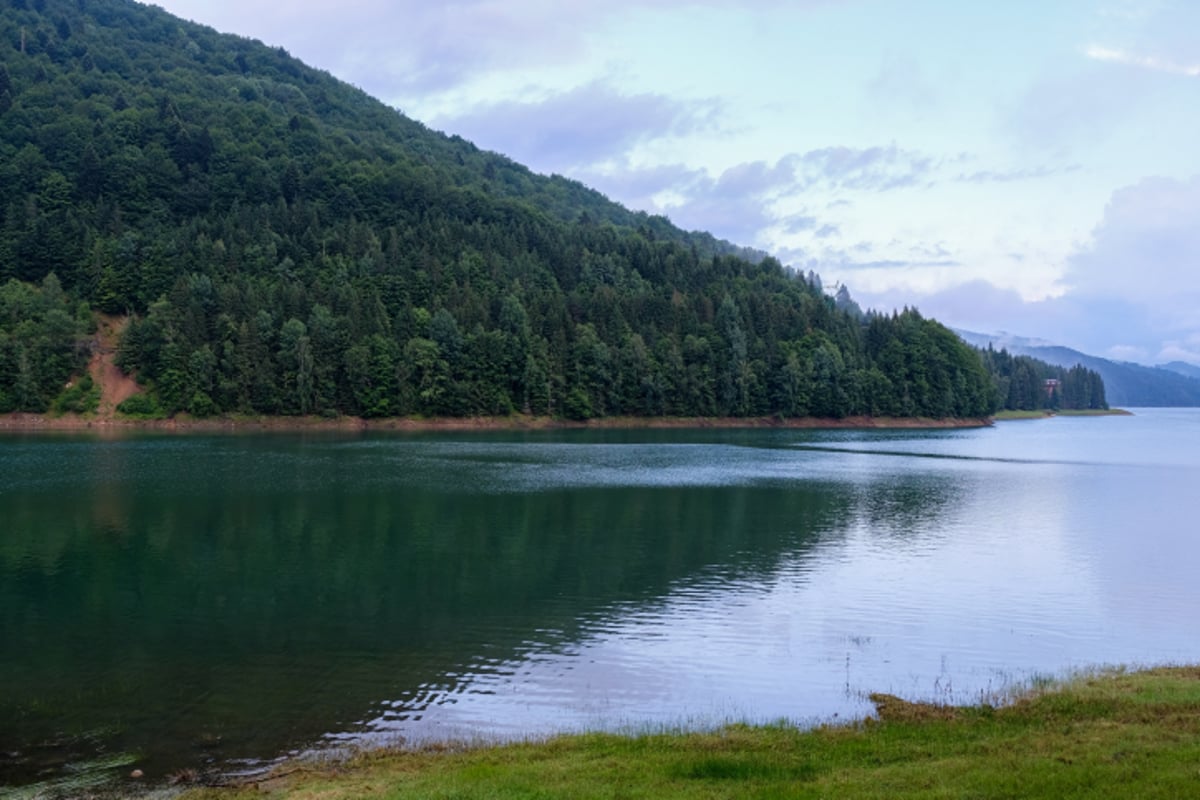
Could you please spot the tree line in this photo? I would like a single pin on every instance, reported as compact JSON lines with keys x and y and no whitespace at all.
{"x":1024,"y":383}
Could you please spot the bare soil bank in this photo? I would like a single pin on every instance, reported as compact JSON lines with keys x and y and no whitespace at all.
{"x":115,"y":385}
{"x":185,"y":424}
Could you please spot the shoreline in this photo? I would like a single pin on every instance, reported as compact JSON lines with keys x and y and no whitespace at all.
{"x":36,"y":423}
{"x":1112,"y":732}
{"x":1013,"y":416}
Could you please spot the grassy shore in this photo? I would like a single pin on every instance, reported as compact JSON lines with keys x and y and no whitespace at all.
{"x":1003,"y":416}
{"x":1115,"y":734}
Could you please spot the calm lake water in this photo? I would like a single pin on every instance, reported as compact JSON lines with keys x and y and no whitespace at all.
{"x":217,"y":602}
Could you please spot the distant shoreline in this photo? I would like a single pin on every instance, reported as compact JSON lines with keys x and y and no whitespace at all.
{"x":33,"y":423}
{"x":1009,"y":416}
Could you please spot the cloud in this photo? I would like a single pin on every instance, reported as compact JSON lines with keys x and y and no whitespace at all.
{"x":976,"y":305}
{"x":1008,"y":176}
{"x":754,"y":202}
{"x":1137,"y":275}
{"x":983,"y":307}
{"x":756,"y":178}
{"x":639,"y":187}
{"x":930,"y":252}
{"x":805,"y":223}
{"x":1127,"y":352}
{"x":874,"y":169}
{"x":406,"y":49}
{"x":740,"y":203}
{"x":1080,"y":109}
{"x":1118,"y":56}
{"x":1146,"y":250}
{"x":869,"y":169}
{"x":1116,"y":78}
{"x":737,"y":205}
{"x":847,"y":264}
{"x":1133,"y":290}
{"x":1154,"y":37}
{"x":800,"y":224}
{"x":1186,"y":349}
{"x":577,"y":128}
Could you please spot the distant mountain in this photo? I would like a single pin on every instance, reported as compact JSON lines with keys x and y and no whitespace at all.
{"x":1182,"y":368}
{"x":1126,"y":384}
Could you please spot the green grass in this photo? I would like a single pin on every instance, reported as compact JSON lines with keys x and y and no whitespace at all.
{"x":1002,"y":416}
{"x":1117,"y":734}
{"x":1094,"y":412}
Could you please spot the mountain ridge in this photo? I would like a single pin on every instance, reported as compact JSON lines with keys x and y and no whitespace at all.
{"x":1182,"y":368}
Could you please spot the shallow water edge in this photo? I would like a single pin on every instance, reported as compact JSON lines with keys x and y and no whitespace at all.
{"x":184,"y":424}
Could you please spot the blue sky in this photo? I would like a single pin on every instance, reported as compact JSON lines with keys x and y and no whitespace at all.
{"x":1024,"y":166}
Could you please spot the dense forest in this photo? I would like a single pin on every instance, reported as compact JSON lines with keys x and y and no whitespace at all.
{"x":286,"y":245}
{"x":1024,"y":383}
{"x":1127,"y":384}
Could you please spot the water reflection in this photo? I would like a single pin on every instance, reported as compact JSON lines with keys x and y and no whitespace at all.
{"x":264,"y":603}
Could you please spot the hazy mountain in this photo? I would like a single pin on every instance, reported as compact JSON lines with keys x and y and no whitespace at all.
{"x":1183,"y":368}
{"x":1126,"y":384}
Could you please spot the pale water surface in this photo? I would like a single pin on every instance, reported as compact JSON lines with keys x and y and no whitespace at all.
{"x":216,"y":602}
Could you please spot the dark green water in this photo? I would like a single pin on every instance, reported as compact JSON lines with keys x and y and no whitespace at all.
{"x":215,"y":602}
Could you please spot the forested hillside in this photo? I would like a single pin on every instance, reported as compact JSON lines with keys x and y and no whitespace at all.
{"x":1128,"y":384}
{"x":1021,"y":384}
{"x":287,"y":245}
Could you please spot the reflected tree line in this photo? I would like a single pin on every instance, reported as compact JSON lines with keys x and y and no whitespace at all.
{"x":260,"y":622}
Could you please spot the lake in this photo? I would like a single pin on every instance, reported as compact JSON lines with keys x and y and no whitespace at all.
{"x":209,"y":602}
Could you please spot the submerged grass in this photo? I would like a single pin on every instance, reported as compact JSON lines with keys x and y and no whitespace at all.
{"x":1112,"y":734}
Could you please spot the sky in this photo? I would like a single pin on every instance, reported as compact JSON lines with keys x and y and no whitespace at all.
{"x":1029,"y":167}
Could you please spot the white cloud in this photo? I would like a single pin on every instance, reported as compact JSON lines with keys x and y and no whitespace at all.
{"x":1133,"y":289}
{"x":1118,"y":56}
{"x":578,"y":128}
{"x":1146,"y":250}
{"x":402,"y":50}
{"x":743,"y":203}
{"x":1187,"y":350}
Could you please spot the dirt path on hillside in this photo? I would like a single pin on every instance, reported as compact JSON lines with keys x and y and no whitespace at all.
{"x":115,"y":386}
